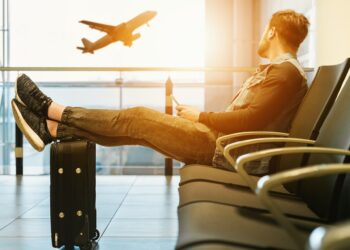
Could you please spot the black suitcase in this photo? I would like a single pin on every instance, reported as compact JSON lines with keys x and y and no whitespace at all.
{"x":73,"y":194}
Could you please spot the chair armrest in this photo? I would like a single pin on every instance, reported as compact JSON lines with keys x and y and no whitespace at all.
{"x":221,"y":139}
{"x":267,"y":182}
{"x":243,"y":159}
{"x":248,"y":142}
{"x":329,"y":238}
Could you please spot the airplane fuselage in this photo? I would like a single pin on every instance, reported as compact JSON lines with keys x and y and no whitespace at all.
{"x":102,"y":42}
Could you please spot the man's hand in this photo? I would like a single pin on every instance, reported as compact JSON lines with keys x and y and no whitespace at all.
{"x":188,"y":112}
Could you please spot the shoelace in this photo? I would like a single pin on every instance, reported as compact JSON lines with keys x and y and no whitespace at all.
{"x":42,"y":98}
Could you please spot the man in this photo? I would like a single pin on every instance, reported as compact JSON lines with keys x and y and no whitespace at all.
{"x":266,"y":101}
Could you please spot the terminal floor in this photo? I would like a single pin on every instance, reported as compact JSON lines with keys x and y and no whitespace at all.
{"x":133,"y":212}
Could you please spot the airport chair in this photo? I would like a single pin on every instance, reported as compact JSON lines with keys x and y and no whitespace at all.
{"x":335,"y":237}
{"x":335,"y":133}
{"x":220,"y":226}
{"x":306,"y":123}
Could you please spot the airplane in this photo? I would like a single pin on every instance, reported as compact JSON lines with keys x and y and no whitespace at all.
{"x":122,"y":32}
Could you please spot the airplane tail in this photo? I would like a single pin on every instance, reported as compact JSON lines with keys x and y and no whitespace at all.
{"x":88,"y":46}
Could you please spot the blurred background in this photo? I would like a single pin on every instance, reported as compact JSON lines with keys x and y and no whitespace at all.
{"x":185,"y":33}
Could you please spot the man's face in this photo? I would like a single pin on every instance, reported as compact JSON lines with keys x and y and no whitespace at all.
{"x":265,"y":43}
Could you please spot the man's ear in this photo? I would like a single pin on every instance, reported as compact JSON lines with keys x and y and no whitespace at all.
{"x":271,"y":33}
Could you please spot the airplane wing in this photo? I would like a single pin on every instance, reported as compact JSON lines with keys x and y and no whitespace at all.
{"x":99,"y":26}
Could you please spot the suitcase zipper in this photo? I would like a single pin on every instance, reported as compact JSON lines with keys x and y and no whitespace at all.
{"x":53,"y":201}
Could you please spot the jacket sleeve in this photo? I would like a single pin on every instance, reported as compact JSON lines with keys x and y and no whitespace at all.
{"x":282,"y":83}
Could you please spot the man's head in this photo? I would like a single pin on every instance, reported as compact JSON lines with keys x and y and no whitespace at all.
{"x":286,"y":30}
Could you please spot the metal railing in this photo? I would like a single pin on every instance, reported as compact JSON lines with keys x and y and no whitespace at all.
{"x":135,"y":69}
{"x":168,"y":90}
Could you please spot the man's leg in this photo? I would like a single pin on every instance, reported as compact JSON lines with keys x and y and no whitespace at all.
{"x":185,"y":140}
{"x":179,"y":138}
{"x":72,"y":132}
{"x":67,"y":132}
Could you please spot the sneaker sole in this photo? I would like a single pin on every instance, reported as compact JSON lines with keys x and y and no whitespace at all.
{"x":16,"y":94}
{"x":28,"y":132}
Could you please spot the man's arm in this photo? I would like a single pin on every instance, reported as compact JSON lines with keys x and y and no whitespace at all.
{"x":283,"y":81}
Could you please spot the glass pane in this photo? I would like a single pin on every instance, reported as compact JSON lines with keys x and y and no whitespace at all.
{"x":44,"y":38}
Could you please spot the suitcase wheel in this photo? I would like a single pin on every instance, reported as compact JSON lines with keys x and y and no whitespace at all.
{"x":97,"y":235}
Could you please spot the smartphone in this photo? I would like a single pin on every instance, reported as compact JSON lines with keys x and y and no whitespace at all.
{"x":177,"y":103}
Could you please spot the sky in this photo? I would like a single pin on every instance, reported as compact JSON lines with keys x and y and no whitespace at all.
{"x":46,"y":33}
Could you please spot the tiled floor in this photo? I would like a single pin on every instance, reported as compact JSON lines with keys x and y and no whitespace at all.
{"x":133,"y":212}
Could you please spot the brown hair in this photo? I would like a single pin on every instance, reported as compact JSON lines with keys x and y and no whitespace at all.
{"x":291,"y":26}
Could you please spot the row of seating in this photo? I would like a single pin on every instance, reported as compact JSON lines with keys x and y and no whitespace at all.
{"x":308,"y":188}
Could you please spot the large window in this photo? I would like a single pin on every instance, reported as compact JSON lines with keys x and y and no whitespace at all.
{"x":46,"y":33}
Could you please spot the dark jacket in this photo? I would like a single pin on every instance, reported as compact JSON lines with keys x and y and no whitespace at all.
{"x":267,"y":101}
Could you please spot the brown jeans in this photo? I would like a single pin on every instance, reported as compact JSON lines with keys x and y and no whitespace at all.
{"x":178,"y":138}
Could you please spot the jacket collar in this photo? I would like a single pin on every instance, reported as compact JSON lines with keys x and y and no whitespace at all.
{"x":277,"y":60}
{"x":283,"y":58}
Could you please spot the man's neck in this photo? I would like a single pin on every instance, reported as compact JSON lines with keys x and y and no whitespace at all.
{"x":273,"y":54}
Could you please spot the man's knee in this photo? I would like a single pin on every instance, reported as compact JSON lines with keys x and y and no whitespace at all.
{"x":140,"y":111}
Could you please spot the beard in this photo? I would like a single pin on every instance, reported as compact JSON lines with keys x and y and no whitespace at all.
{"x":263,"y":47}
